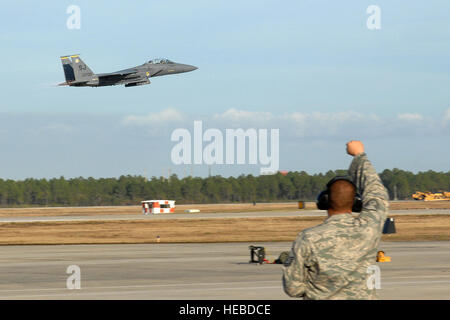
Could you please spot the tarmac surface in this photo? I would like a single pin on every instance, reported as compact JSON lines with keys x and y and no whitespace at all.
{"x":419,"y":270}
{"x":305,"y":213}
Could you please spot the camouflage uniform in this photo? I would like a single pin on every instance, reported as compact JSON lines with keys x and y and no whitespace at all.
{"x":330,"y":261}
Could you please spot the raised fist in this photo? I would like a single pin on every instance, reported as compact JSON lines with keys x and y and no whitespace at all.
{"x":355,"y":147}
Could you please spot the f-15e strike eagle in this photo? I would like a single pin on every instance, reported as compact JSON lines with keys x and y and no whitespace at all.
{"x":78,"y":74}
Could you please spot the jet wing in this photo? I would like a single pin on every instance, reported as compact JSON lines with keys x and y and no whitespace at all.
{"x":128,"y":77}
{"x":118,"y":75}
{"x":128,"y":73}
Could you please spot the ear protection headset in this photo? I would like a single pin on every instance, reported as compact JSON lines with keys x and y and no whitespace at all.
{"x":323,"y":198}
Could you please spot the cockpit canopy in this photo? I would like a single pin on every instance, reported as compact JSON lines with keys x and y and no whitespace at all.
{"x":160,"y":61}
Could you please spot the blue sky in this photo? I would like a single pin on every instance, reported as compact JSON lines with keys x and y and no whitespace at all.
{"x":265,"y":61}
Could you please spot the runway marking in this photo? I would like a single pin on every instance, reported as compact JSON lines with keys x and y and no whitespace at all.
{"x":415,"y":277}
{"x":166,"y":292}
{"x":218,"y":215}
{"x":150,"y":260}
{"x":414,"y":282}
{"x":221,"y":283}
{"x":140,"y":291}
{"x":156,"y":286}
{"x":151,"y":285}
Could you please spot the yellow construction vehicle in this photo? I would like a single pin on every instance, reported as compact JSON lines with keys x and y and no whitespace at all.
{"x":429,"y":196}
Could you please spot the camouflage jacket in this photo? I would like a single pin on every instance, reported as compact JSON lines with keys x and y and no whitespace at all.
{"x":330,"y":261}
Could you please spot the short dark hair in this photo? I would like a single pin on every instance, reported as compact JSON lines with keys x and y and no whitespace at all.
{"x":341,"y":195}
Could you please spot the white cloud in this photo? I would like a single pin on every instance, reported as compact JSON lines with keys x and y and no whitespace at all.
{"x":51,"y":129}
{"x":317,"y":125}
{"x":329,"y":117}
{"x":243,"y":115}
{"x":410,"y":116}
{"x":62,"y":142}
{"x":447,"y":116}
{"x":326,"y":124}
{"x":152,"y":119}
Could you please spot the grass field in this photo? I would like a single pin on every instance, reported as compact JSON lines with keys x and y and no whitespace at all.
{"x":409,"y":227}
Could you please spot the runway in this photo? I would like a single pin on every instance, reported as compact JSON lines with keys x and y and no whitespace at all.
{"x":140,"y":216}
{"x":419,"y":270}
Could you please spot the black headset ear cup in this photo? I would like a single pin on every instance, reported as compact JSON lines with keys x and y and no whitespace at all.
{"x":357,"y":203}
{"x":322,"y":200}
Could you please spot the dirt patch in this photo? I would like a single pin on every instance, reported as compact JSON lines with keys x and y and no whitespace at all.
{"x":409,"y":228}
{"x":414,"y":205}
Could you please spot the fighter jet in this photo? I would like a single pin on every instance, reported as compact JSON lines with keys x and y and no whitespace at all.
{"x":78,"y":74}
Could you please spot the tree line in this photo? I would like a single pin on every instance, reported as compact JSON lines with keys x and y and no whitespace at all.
{"x":130,"y":190}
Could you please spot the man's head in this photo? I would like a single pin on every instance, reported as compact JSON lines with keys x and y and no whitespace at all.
{"x":340,"y":197}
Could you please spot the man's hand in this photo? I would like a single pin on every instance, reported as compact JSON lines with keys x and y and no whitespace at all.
{"x":355,"y":147}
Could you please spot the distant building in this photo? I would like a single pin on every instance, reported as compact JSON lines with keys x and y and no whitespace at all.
{"x":269,"y":173}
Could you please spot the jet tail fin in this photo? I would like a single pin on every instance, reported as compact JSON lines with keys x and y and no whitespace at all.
{"x":75,"y":70}
{"x":68,"y":69}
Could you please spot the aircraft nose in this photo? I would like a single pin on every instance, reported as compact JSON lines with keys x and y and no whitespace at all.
{"x":187,"y":68}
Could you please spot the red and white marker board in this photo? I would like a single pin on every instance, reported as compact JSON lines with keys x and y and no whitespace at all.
{"x":158,"y":206}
